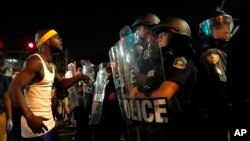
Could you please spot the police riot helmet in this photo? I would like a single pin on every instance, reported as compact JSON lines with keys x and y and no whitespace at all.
{"x":149,"y":19}
{"x":181,"y":36}
{"x":174,"y":25}
{"x":214,"y":19}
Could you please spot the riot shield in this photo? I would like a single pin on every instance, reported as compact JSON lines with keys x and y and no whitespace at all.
{"x":72,"y":91}
{"x":88,"y":69}
{"x":99,"y":94}
{"x":118,"y":80}
{"x":140,"y":66}
{"x":125,"y":30}
{"x":88,"y":89}
{"x":119,"y":83}
{"x":73,"y":97}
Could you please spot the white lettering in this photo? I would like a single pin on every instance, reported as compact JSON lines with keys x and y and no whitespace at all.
{"x":160,"y":111}
{"x":146,"y":110}
{"x":147,"y":116}
{"x":127,"y":108}
{"x":240,"y":132}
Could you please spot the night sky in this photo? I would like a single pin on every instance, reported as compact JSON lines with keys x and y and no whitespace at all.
{"x":88,"y":30}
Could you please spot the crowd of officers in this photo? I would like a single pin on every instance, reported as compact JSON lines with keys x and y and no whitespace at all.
{"x":196,"y":83}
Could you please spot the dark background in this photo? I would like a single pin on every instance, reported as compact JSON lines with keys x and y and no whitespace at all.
{"x":90,"y":28}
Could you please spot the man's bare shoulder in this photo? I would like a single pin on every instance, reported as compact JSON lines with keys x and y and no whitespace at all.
{"x":33,"y":62}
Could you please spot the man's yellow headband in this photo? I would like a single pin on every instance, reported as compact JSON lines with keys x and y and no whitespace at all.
{"x":45,"y":37}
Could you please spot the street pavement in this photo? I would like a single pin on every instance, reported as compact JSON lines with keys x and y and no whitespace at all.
{"x":67,"y":133}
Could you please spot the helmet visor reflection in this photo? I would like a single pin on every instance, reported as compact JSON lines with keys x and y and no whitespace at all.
{"x":206,"y":26}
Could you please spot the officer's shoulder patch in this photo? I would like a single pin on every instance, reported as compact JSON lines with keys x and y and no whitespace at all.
{"x":180,"y":63}
{"x":213,"y":58}
{"x":151,"y":73}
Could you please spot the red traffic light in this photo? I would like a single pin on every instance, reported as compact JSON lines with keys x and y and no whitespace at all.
{"x":31,"y":45}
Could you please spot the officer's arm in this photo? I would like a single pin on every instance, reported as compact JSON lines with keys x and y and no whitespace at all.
{"x":167,"y":89}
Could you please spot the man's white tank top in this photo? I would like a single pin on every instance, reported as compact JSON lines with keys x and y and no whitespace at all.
{"x":38,"y":98}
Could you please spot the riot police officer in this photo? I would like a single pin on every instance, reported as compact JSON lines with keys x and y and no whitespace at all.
{"x":142,"y":26}
{"x":175,"y":40}
{"x":142,"y":50}
{"x":215,"y":32}
{"x":144,"y":23}
{"x":85,"y":98}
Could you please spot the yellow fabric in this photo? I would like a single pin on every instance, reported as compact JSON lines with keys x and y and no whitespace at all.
{"x":3,"y":129}
{"x":45,"y":37}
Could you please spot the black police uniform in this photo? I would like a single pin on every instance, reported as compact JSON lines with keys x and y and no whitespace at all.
{"x":212,"y":89}
{"x":179,"y":68}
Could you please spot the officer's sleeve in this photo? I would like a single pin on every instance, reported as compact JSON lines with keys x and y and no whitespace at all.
{"x":213,"y":64}
{"x":180,"y":71}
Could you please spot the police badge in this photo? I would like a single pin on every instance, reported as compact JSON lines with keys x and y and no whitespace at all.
{"x":180,"y":63}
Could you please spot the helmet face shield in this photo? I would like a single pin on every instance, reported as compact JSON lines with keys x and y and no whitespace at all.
{"x":207,"y":25}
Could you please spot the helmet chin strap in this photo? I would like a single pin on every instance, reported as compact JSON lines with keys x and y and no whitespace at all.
{"x":235,"y":30}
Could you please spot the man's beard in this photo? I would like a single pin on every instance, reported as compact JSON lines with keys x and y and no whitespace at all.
{"x":57,"y":51}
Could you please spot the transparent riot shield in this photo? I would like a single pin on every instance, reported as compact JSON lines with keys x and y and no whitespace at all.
{"x":118,"y":80}
{"x":119,"y":83}
{"x":88,"y":69}
{"x":88,"y":89}
{"x":99,"y":94}
{"x":72,"y":91}
{"x":140,"y":67}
